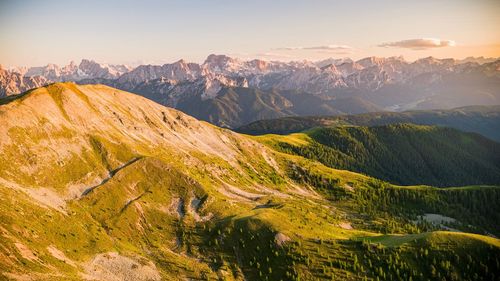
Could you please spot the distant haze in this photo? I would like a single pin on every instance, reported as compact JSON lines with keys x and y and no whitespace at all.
{"x":136,"y":32}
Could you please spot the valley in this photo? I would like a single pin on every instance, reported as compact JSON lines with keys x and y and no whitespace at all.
{"x":253,"y":140}
{"x":100,"y":184}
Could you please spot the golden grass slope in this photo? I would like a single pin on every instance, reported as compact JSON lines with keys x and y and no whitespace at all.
{"x":101,"y":184}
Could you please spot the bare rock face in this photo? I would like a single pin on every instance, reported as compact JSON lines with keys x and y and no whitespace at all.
{"x":21,"y":79}
{"x":113,"y":266}
{"x":87,"y":69}
{"x":177,"y":71}
{"x":12,"y":82}
{"x":281,"y":239}
{"x":92,"y":69}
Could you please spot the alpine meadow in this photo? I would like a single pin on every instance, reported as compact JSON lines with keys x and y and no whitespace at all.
{"x":249,"y":140}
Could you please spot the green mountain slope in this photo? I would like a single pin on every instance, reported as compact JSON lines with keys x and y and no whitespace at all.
{"x":404,"y":153}
{"x":100,"y":184}
{"x":484,"y":120}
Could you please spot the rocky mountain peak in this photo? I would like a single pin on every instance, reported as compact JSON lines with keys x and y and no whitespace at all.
{"x":371,"y":61}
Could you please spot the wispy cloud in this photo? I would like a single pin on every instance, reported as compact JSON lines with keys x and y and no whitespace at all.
{"x":326,"y":48}
{"x":273,"y":55}
{"x":420,"y":44}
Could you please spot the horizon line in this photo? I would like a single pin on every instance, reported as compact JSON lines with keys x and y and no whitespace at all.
{"x":243,"y":59}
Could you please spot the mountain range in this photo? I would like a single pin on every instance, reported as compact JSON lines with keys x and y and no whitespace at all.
{"x":299,"y":88}
{"x":101,"y":184}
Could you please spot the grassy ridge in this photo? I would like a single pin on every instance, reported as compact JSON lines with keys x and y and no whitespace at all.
{"x":402,"y":154}
{"x":484,"y":120}
{"x":196,"y":214}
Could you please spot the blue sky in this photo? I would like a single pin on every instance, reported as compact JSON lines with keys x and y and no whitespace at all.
{"x":35,"y":32}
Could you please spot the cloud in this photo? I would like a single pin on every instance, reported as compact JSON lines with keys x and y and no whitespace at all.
{"x":273,"y":55}
{"x":420,"y":44}
{"x":324,"y":48}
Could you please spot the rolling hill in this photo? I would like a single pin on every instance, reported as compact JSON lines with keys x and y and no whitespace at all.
{"x":402,"y":154}
{"x":484,"y":120}
{"x":101,"y":184}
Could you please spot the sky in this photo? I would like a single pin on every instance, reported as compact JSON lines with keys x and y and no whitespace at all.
{"x":35,"y":32}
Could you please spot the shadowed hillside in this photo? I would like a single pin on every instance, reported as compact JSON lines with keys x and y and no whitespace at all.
{"x":403,"y":154}
{"x":484,"y":120}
